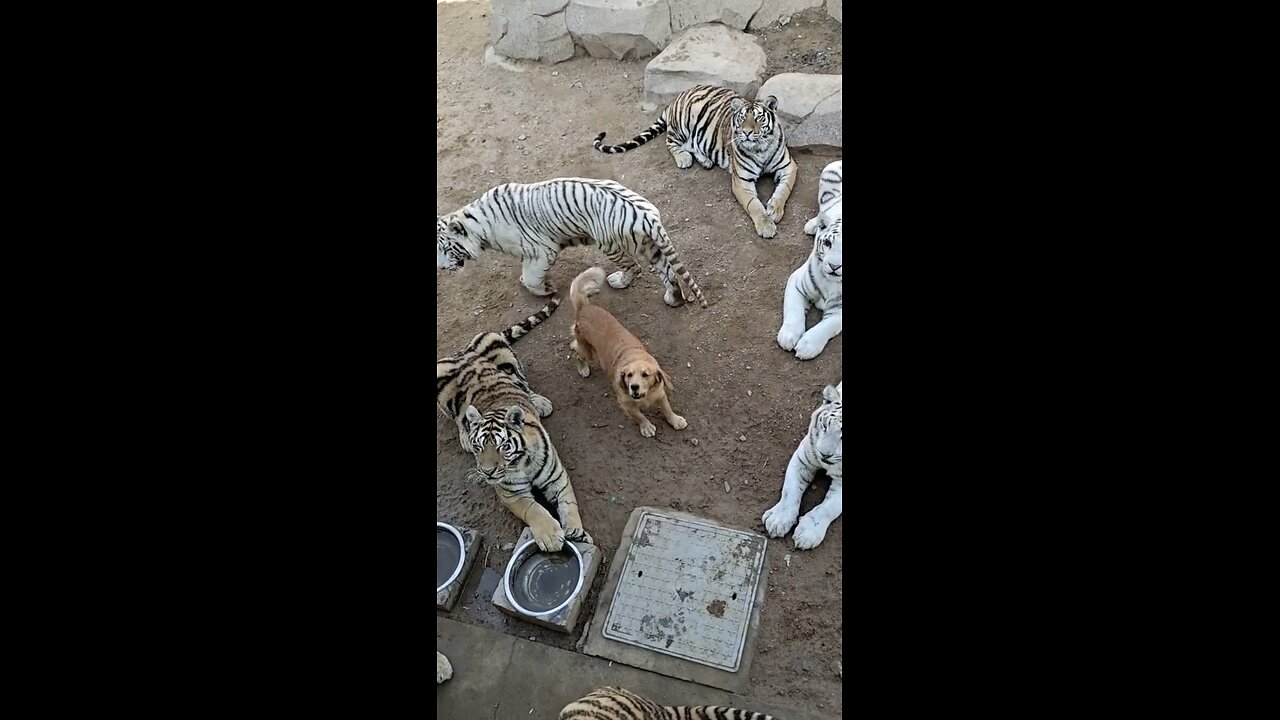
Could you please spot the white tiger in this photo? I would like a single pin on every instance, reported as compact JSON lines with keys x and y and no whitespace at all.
{"x":534,"y":222}
{"x":444,"y":670}
{"x":821,"y":449}
{"x":820,"y":281}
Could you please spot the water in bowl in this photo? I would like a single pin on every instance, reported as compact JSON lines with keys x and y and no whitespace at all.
{"x":544,"y":580}
{"x":447,"y":555}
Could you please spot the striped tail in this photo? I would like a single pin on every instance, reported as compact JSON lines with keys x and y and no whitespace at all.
{"x":663,"y":243}
{"x":650,"y":133}
{"x":515,"y":332}
{"x":714,"y":712}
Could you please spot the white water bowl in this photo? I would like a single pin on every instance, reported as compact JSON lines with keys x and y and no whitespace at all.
{"x":537,"y":583}
{"x":445,"y":542}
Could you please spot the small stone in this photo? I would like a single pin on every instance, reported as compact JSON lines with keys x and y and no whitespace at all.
{"x":555,"y":73}
{"x":742,"y":438}
{"x":726,"y":486}
{"x":533,"y":637}
{"x":688,"y":364}
{"x":522,"y":137}
{"x":508,"y":546}
{"x":839,"y":669}
{"x":626,"y":76}
{"x":748,"y":393}
{"x":695,"y":442}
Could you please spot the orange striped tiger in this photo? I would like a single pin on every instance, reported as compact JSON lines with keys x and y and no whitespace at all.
{"x":617,"y":704}
{"x":717,"y":126}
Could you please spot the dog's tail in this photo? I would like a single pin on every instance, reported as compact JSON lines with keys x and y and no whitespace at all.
{"x":584,"y":286}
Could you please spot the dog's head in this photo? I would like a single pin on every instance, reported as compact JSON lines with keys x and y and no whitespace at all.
{"x":638,"y":377}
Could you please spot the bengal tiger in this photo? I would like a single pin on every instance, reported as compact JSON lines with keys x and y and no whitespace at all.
{"x":821,"y":449}
{"x":444,"y":670}
{"x":535,"y":222}
{"x":612,"y":703}
{"x":483,"y":389}
{"x":820,"y":281}
{"x":717,"y":126}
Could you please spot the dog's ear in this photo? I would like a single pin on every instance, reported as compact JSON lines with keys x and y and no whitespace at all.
{"x":622,"y":381}
{"x":515,"y":416}
{"x":666,"y":380}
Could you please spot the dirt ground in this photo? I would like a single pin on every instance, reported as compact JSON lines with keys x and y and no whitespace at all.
{"x":731,"y":378}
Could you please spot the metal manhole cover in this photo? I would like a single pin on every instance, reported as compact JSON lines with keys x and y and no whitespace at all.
{"x":686,"y":589}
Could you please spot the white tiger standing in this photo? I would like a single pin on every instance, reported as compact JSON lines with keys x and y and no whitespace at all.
{"x":535,"y":222}
{"x":821,"y":449}
{"x":820,"y":281}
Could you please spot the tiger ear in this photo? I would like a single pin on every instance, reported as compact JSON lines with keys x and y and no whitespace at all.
{"x":515,"y":416}
{"x":456,"y":226}
{"x":737,"y":103}
{"x":471,"y":416}
{"x":771,"y":102}
{"x":830,"y":394}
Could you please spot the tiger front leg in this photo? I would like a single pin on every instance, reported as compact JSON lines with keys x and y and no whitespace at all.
{"x":567,"y":509}
{"x":813,"y":527}
{"x":547,"y":533}
{"x":794,"y":304}
{"x":534,"y":273}
{"x":785,"y":182}
{"x":780,"y":518}
{"x":684,"y":160}
{"x":627,"y":274}
{"x":817,"y":337}
{"x":744,"y":189}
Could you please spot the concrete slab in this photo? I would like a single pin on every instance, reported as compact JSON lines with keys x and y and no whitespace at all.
{"x":600,"y":646}
{"x":502,"y":677}
{"x":566,"y":620}
{"x":448,"y":597}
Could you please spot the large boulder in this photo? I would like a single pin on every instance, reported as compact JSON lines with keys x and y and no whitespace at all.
{"x":734,"y":13}
{"x":530,"y":30}
{"x":704,"y":55}
{"x":835,"y":8}
{"x":620,"y":29}
{"x":809,"y":106}
{"x":775,"y":10}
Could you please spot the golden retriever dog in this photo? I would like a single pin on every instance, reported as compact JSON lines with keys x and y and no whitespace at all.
{"x":637,"y":379}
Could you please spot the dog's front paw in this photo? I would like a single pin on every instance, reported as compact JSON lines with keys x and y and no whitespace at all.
{"x":584,"y":369}
{"x":648,"y":430}
{"x":788,"y":337}
{"x":779,"y":519}
{"x":578,"y":535}
{"x":444,"y":670}
{"x":549,"y":540}
{"x":679,"y":423}
{"x":809,"y":533}
{"x":810,"y":346}
{"x":775,"y":211}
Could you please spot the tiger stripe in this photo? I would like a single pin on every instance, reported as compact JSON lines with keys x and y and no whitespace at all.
{"x":612,"y":703}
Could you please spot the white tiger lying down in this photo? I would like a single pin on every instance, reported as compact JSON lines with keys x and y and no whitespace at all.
{"x":444,"y":670}
{"x":534,"y":222}
{"x":820,"y":281}
{"x":821,"y":449}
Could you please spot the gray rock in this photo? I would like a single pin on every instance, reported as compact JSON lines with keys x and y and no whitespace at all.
{"x":835,"y":8}
{"x":733,"y":13}
{"x":517,"y":32}
{"x":704,"y":55}
{"x":822,"y":133}
{"x":775,"y":10}
{"x":620,"y":29}
{"x":546,"y":7}
{"x":800,"y":93}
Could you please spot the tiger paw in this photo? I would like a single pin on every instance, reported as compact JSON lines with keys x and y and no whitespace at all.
{"x":541,"y":404}
{"x":678,"y":422}
{"x":788,"y":337}
{"x":775,"y":211}
{"x":683,"y":160}
{"x":619,"y":279}
{"x":766,"y":228}
{"x":779,"y":519}
{"x":444,"y":670}
{"x":672,"y":299}
{"x":810,"y":533}
{"x":811,"y":227}
{"x":810,"y":346}
{"x":578,"y":535}
{"x":648,"y":430}
{"x":549,"y":540}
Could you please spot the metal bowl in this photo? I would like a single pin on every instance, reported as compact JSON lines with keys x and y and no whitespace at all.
{"x":448,"y":544}
{"x":538,"y":583}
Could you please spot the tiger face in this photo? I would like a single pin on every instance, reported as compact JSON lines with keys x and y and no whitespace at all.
{"x":826,"y":427}
{"x":454,"y":245}
{"x":753,"y":123}
{"x":497,"y":441}
{"x":828,"y":248}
